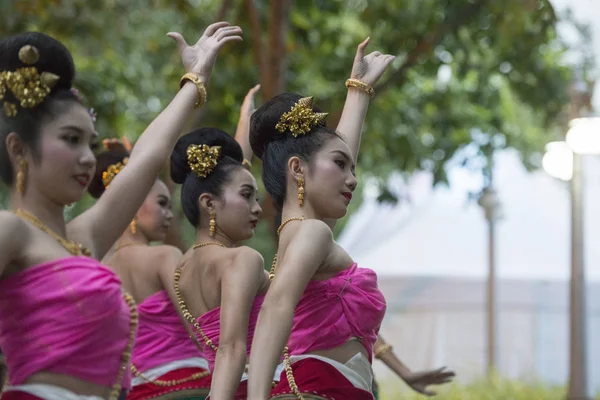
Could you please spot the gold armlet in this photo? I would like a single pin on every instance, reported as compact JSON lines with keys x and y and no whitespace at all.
{"x":195,"y":79}
{"x":247,"y":164}
{"x":381,"y":350}
{"x":365,"y":87}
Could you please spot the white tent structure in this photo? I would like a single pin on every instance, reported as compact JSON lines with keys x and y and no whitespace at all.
{"x":430,"y":252}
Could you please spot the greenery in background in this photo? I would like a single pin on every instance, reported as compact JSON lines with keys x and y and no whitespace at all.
{"x":464,"y":67}
{"x":496,"y":389}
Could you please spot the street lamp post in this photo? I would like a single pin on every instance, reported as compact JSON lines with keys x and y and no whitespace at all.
{"x":564,"y":160}
{"x":491,"y":205}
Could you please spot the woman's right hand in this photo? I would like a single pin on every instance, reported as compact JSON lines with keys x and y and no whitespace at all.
{"x":200,"y":58}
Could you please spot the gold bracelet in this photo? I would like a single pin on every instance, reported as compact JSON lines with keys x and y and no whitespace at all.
{"x":247,"y":164}
{"x":360,"y":85}
{"x":381,"y":350}
{"x":195,"y":79}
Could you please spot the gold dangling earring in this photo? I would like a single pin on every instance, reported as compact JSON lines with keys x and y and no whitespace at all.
{"x":212,"y":224}
{"x":133,"y":227}
{"x":301,"y":191}
{"x":21,"y":176}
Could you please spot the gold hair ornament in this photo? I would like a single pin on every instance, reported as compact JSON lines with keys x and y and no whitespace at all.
{"x":27,"y":85}
{"x":112,"y":171}
{"x":301,"y":118}
{"x":202,"y":159}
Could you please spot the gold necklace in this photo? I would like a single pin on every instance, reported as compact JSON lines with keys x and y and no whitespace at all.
{"x":182,"y":306}
{"x":274,"y":263}
{"x":120,"y":246}
{"x":286,"y":352}
{"x":72,"y":247}
{"x":202,"y":244}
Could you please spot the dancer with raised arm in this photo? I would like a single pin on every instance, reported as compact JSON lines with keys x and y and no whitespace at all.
{"x":220,"y":284}
{"x":66,"y":327}
{"x":331,"y":307}
{"x":165,"y":362}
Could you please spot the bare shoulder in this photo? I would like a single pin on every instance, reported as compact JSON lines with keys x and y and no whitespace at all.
{"x":246,"y":260}
{"x":13,"y":233}
{"x":11,"y":226}
{"x":316,"y":228}
{"x":164,"y":255}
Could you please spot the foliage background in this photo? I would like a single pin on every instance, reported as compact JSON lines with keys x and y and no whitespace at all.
{"x":468,"y":71}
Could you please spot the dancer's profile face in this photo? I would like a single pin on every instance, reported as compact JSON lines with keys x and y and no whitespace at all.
{"x":154,"y":217}
{"x":237,"y":209}
{"x":330,"y":180}
{"x":66,"y":161}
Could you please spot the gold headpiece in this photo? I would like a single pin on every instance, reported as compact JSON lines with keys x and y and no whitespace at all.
{"x":27,"y":85}
{"x":202,"y":159}
{"x":301,"y":118}
{"x":112,"y":171}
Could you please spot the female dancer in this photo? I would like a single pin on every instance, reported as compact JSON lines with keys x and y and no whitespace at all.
{"x":309,"y":171}
{"x":65,"y":328}
{"x":220,"y":285}
{"x":165,"y":362}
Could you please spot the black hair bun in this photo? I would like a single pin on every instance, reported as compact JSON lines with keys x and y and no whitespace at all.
{"x":103,"y":161}
{"x":180,"y":167}
{"x":52,"y":56}
{"x":264,"y":120}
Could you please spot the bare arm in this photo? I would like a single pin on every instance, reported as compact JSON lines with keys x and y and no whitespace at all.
{"x":418,"y":381}
{"x":384,"y":352}
{"x":367,"y":69}
{"x":128,"y":190}
{"x":241,"y":282}
{"x":242,"y":133}
{"x":308,"y":249}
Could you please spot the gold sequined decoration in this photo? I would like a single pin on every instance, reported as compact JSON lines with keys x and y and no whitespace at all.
{"x":301,"y":118}
{"x":112,"y":171}
{"x":202,"y":159}
{"x":28,"y":86}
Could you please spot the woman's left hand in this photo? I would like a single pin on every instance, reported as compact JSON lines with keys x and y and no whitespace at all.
{"x":369,"y":68}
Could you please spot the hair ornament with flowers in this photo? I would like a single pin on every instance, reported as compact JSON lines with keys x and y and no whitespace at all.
{"x":28,"y":86}
{"x":301,"y":119}
{"x":112,"y":171}
{"x":203,"y":158}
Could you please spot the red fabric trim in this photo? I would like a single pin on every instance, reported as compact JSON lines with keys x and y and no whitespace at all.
{"x":18,"y":395}
{"x":149,"y":390}
{"x":314,"y":376}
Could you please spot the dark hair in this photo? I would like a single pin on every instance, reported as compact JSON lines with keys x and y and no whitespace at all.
{"x":53,"y":58}
{"x":231,"y":157}
{"x":275,"y":148}
{"x":103,"y":161}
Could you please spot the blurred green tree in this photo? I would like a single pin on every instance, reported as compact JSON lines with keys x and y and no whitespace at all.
{"x":467,"y":71}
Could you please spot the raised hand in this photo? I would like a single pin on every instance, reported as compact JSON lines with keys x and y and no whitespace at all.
{"x":369,"y":69}
{"x":200,"y":58}
{"x":419,"y":381}
{"x":248,"y":104}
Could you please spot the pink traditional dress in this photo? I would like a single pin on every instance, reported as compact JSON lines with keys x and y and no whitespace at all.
{"x":67,"y":316}
{"x":210,"y":324}
{"x":166,"y":361}
{"x":348,"y":306}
